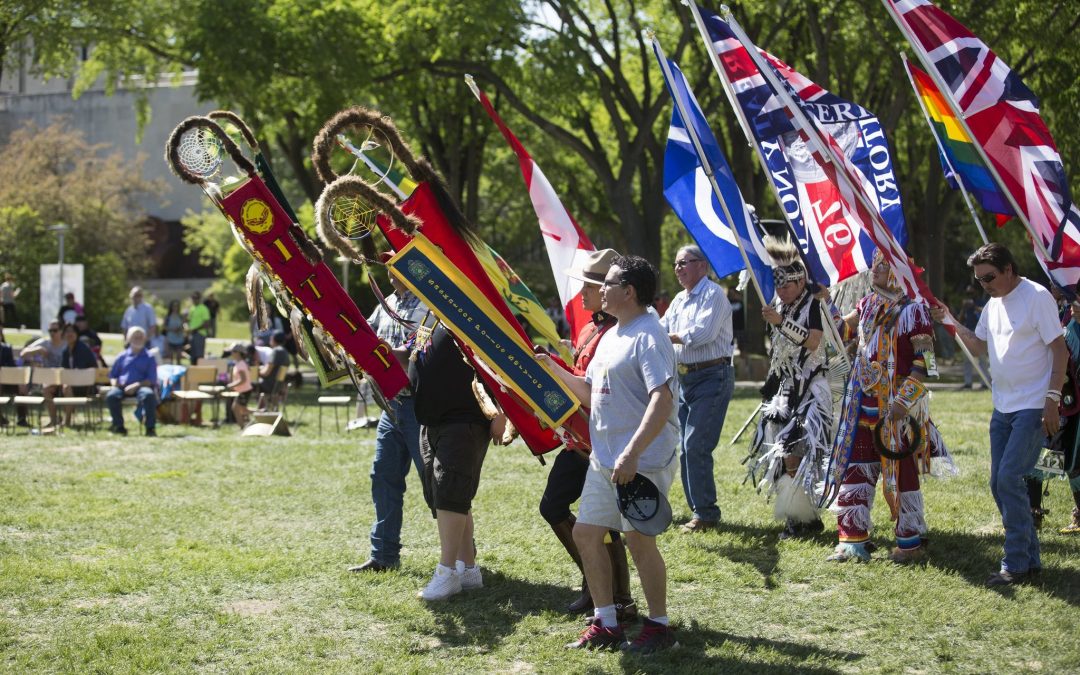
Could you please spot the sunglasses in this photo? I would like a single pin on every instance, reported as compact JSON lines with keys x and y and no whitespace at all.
{"x":609,"y":284}
{"x":986,"y":278}
{"x":54,"y":330}
{"x":679,"y":264}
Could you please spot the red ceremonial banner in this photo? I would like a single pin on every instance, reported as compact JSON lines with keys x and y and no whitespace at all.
{"x":264,"y":224}
{"x":422,"y":204}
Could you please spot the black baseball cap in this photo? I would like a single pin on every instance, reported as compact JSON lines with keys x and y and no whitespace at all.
{"x":642,"y":503}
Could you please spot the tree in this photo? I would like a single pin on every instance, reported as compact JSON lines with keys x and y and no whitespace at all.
{"x":51,"y":175}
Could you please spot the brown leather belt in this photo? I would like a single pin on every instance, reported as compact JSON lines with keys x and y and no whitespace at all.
{"x":685,"y":368}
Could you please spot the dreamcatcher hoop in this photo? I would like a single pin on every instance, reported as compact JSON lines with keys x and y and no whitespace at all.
{"x":196,"y":149}
{"x":348,"y":203}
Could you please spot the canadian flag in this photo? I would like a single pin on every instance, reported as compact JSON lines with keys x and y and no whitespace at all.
{"x":566,"y":243}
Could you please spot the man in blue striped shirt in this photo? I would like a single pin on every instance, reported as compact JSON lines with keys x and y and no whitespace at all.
{"x":698,"y":321}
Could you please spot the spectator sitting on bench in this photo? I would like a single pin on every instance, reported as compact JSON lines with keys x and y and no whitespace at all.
{"x":45,"y":353}
{"x":134,"y":373}
{"x":77,"y":354}
{"x":268,"y":373}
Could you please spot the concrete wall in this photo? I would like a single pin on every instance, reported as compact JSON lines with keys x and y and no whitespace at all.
{"x":111,"y":120}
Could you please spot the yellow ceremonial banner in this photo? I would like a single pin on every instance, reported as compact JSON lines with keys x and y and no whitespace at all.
{"x":472,"y":318}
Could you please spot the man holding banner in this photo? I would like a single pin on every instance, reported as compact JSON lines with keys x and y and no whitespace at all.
{"x":454,"y":436}
{"x":698,"y":323}
{"x":630,"y":387}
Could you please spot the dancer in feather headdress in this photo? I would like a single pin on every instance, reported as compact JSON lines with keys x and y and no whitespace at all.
{"x":794,"y":431}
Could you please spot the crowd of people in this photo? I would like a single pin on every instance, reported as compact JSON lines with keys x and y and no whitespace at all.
{"x":70,"y":343}
{"x":657,"y":389}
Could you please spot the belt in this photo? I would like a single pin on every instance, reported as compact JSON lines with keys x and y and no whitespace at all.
{"x":685,"y":368}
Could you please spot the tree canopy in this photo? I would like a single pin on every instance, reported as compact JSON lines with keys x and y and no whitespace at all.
{"x":574,"y":78}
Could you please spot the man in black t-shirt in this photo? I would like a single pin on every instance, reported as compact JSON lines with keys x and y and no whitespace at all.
{"x":454,"y":437}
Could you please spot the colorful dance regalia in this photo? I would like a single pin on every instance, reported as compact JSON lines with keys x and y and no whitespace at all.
{"x":895,"y":343}
{"x":796,"y":416}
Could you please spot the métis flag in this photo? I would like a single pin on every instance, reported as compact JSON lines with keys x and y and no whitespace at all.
{"x":1003,"y":117}
{"x":690,"y":192}
{"x":835,"y":244}
{"x":565,"y":241}
{"x":960,"y":158}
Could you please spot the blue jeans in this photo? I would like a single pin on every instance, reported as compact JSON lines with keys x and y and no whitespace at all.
{"x":395,"y":446}
{"x":147,"y":403}
{"x":703,"y":402}
{"x":1015,"y":441}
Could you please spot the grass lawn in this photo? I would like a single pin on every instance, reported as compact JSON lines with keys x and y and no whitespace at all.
{"x":201,"y":550}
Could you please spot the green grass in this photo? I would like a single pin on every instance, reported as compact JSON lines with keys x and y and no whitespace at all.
{"x":201,"y":550}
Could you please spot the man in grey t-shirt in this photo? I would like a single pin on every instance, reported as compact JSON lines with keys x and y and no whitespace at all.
{"x":630,"y":386}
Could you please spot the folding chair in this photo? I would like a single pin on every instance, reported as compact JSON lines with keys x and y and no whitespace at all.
{"x":279,"y":392}
{"x":80,"y":380}
{"x":193,"y":378}
{"x":12,"y":377}
{"x":335,"y":402}
{"x":39,"y":377}
{"x":215,"y":389}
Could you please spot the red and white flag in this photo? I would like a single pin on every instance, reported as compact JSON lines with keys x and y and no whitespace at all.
{"x":1003,"y":116}
{"x":566,"y":243}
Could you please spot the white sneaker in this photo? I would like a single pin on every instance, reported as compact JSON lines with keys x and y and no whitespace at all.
{"x":444,"y":583}
{"x":470,"y":576}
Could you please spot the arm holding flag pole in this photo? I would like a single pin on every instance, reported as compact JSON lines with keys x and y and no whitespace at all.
{"x":691,"y":132}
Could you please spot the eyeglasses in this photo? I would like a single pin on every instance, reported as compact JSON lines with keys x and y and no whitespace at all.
{"x":679,"y":264}
{"x":54,"y":330}
{"x":609,"y":284}
{"x":986,"y":278}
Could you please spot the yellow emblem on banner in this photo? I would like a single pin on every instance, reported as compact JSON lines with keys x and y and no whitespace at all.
{"x":256,"y":216}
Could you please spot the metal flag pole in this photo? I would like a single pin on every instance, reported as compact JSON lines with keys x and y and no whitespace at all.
{"x":941,"y":149}
{"x":833,"y":332}
{"x":691,"y":132}
{"x":946,"y":93}
{"x":967,"y":200}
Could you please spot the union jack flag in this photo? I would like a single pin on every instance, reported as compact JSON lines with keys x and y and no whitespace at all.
{"x":1003,"y":116}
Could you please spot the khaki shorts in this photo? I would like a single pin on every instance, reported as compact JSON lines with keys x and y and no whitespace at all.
{"x":599,"y":503}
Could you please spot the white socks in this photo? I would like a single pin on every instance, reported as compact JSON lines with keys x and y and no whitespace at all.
{"x":606,"y":615}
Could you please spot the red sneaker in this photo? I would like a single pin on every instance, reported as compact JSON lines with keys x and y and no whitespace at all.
{"x":599,"y":637}
{"x":653,"y":638}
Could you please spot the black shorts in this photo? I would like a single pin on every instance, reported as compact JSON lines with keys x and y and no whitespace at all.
{"x":242,"y":397}
{"x":453,"y":455}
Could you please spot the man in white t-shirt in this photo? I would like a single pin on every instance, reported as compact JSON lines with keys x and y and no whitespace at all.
{"x":1020,"y":330}
{"x":631,"y":388}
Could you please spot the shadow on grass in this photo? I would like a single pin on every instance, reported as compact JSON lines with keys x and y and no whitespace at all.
{"x":976,"y":556}
{"x":484,"y":618}
{"x":753,"y":545}
{"x":694,"y":641}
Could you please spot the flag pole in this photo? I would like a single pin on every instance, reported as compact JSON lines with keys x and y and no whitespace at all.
{"x":812,"y":135}
{"x":941,"y":149}
{"x":967,"y":200}
{"x":946,"y":93}
{"x":833,"y":333}
{"x":691,"y":132}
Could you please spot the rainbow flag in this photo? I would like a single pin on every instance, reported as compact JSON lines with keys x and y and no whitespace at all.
{"x":959,"y":158}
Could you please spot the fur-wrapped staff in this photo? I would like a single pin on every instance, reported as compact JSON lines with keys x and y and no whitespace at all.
{"x":794,"y":432}
{"x":429,"y":215}
{"x":287,"y":259}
